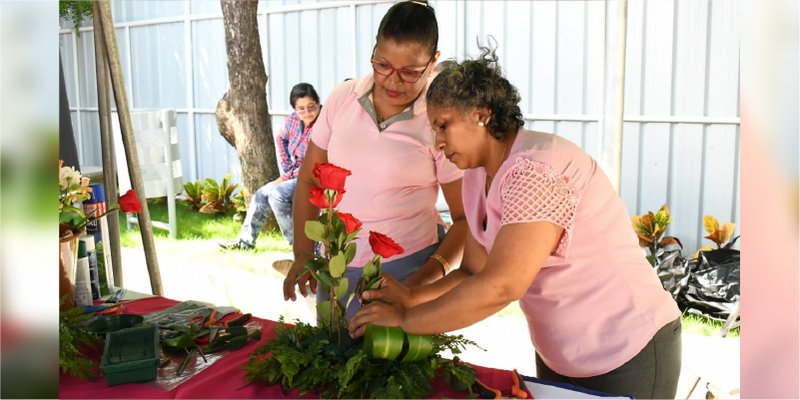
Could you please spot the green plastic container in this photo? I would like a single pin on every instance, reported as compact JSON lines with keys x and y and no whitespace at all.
{"x":131,"y":355}
{"x":102,"y":324}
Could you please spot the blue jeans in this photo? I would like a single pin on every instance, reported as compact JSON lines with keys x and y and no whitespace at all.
{"x":399,"y":269}
{"x":269,"y":199}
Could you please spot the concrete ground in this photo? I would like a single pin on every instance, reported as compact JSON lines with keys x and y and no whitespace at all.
{"x":504,"y":336}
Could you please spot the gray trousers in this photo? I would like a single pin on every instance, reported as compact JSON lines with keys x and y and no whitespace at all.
{"x":651,"y":374}
{"x":269,"y":199}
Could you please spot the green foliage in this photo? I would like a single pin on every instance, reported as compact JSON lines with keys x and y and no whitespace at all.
{"x":308,"y":358}
{"x":698,"y":324}
{"x":217,"y":197}
{"x":101,"y":269}
{"x":239,"y":206}
{"x":75,"y":10}
{"x":210,"y":197}
{"x":194,"y":194}
{"x":72,"y":334}
{"x":649,"y":228}
{"x":198,"y":235}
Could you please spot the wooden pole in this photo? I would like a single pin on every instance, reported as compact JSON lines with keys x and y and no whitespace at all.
{"x":129,"y":142}
{"x":107,"y":144}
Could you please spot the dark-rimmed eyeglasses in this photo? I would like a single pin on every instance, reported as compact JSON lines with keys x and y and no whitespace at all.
{"x":406,"y":75}
{"x":309,"y":109}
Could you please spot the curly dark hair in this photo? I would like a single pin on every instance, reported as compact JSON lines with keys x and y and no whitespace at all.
{"x":479,"y":83}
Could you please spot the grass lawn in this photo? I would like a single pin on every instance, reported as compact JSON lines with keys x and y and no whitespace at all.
{"x":198,"y":235}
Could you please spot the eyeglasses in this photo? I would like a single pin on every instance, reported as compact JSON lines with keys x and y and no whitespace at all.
{"x":406,"y":75}
{"x":309,"y":109}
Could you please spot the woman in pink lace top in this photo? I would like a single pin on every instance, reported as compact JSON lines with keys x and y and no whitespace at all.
{"x":547,"y":228}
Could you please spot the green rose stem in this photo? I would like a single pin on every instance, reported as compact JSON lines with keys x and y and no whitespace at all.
{"x":330,"y":195}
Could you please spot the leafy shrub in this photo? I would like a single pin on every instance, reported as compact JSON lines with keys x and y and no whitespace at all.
{"x":649,"y":228}
{"x":194,"y":194}
{"x":239,"y":206}
{"x":210,"y":197}
{"x":722,"y":236}
{"x":217,"y":197}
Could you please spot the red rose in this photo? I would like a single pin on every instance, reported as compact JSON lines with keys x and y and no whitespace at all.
{"x":129,"y":202}
{"x":383,"y":245}
{"x":351,"y":223}
{"x":330,"y":176}
{"x":318,"y":198}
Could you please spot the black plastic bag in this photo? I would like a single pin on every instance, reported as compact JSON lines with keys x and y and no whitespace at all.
{"x":673,"y":270}
{"x":713,"y":284}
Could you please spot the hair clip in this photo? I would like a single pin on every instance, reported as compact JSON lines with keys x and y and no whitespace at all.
{"x":422,"y":3}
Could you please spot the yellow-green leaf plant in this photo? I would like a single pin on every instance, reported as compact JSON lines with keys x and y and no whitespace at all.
{"x":722,"y":236}
{"x":649,"y":228}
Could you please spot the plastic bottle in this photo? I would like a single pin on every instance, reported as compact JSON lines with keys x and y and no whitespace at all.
{"x":94,"y":275}
{"x":83,"y":289}
{"x":94,"y":206}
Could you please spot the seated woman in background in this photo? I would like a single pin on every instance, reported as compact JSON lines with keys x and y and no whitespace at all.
{"x":276,"y":197}
{"x":547,"y":228}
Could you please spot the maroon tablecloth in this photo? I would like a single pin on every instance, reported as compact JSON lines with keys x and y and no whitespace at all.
{"x":225,"y":378}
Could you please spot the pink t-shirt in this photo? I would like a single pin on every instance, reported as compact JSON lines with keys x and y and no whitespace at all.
{"x":596,"y":302}
{"x":396,"y":171}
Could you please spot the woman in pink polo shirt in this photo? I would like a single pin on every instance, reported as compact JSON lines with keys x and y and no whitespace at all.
{"x":547,"y":228}
{"x":377,"y":127}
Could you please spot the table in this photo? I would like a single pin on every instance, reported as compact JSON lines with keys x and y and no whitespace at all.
{"x":224,"y":378}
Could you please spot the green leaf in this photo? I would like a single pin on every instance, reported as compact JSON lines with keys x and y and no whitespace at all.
{"x":315,"y":231}
{"x":419,"y":347}
{"x":385,"y":342}
{"x":369,"y":270}
{"x":316,"y":264}
{"x":185,"y":340}
{"x":337,"y":265}
{"x":374,"y":284}
{"x":324,"y":310}
{"x":325,"y":278}
{"x":350,"y":253}
{"x":341,"y":289}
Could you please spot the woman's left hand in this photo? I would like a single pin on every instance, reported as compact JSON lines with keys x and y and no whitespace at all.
{"x":391,"y":291}
{"x":378,"y":313}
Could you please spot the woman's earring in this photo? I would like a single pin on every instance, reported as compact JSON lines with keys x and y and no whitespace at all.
{"x":480,"y":123}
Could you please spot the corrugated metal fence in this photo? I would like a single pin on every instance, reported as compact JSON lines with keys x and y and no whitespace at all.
{"x":680,"y":141}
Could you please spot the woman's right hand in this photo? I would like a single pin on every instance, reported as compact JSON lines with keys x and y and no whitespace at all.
{"x":298,"y":276}
{"x":391,"y":291}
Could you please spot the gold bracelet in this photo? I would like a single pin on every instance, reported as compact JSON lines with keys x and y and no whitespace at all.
{"x":445,"y":265}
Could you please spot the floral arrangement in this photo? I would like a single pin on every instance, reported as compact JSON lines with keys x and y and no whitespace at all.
{"x":73,"y":188}
{"x":387,"y":362}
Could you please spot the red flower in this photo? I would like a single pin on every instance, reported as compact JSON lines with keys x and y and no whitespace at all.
{"x":383,"y":245}
{"x":351,"y":223}
{"x":318,"y":198}
{"x":129,"y":202}
{"x":331,"y":176}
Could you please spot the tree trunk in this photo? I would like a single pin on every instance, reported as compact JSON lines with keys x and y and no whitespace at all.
{"x":242,"y":113}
